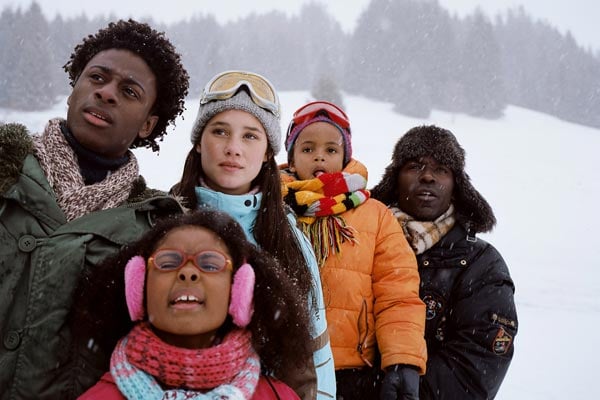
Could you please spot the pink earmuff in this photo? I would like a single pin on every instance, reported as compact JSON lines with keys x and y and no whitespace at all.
{"x":242,"y":291}
{"x":135,"y":275}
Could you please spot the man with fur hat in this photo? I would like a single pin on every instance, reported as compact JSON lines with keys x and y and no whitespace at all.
{"x":471,"y":319}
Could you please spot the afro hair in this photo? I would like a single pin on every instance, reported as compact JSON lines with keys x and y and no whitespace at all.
{"x":156,"y":50}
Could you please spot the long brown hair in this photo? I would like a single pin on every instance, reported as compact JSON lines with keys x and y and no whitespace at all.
{"x":272,"y":231}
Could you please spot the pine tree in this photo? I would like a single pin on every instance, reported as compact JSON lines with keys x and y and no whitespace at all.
{"x":29,"y":83}
{"x":482,"y":78}
{"x":8,"y":22}
{"x":326,"y":88}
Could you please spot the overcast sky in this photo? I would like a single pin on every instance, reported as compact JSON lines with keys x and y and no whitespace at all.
{"x":581,"y":17}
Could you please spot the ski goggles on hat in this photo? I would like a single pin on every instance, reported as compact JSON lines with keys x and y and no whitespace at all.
{"x":226,"y":84}
{"x":209,"y":261}
{"x":311,"y":110}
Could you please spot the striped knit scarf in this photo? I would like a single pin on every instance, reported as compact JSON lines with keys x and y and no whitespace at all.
{"x":422,"y":235}
{"x":141,"y":363}
{"x":60,"y":166}
{"x":319,"y":203}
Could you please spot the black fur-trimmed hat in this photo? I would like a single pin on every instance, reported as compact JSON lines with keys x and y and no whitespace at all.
{"x":472,"y":211}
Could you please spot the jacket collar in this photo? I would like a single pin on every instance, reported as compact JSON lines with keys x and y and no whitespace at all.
{"x":243,"y":208}
{"x":15,"y":145}
{"x":455,"y":249}
{"x":16,"y":137}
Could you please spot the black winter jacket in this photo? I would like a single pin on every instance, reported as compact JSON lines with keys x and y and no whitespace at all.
{"x":471,"y":319}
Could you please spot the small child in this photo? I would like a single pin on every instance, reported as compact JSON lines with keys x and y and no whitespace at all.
{"x":213,"y":315}
{"x":368,"y":270}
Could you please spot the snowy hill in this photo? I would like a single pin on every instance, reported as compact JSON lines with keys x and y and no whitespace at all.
{"x":539,"y":174}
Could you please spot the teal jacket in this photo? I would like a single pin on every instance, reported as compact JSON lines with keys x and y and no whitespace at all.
{"x":41,"y":256}
{"x":244,"y":209}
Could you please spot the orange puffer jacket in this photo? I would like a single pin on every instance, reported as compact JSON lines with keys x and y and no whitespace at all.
{"x":371,"y":291}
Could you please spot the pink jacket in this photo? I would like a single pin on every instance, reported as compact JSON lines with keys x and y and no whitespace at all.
{"x":106,"y":389}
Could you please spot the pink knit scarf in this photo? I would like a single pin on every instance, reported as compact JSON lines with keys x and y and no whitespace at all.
{"x":233,"y":362}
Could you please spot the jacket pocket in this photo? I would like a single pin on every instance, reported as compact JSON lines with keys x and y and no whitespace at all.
{"x":363,"y":332}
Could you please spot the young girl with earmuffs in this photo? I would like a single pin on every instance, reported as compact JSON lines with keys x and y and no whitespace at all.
{"x":213,"y":316}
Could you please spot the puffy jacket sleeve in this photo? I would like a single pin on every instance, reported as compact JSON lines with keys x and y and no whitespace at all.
{"x":399,"y":312}
{"x":322,"y":356}
{"x":473,"y":357}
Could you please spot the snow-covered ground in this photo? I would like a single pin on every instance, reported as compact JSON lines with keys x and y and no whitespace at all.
{"x":539,"y":174}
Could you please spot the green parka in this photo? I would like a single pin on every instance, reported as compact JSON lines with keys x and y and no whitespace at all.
{"x":41,"y":256}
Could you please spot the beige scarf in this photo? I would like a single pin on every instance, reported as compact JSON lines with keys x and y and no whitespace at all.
{"x":422,"y":235}
{"x":61,"y":168}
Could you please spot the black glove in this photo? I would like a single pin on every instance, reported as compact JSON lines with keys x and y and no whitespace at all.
{"x":401,"y":382}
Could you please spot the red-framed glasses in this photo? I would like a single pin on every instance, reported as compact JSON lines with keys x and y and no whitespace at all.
{"x":209,"y":261}
{"x":311,"y":110}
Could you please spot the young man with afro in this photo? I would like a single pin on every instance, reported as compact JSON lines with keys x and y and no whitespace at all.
{"x":72,"y":195}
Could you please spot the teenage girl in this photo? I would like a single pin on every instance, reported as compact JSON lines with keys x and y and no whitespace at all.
{"x":231,"y":167}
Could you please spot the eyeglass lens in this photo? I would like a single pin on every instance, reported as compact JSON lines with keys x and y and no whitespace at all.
{"x":206,"y":261}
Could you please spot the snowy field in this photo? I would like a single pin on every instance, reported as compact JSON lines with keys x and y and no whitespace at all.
{"x":537,"y":172}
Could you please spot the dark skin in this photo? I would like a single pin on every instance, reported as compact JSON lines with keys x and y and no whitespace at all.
{"x":425,"y":188}
{"x":111,"y":103}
